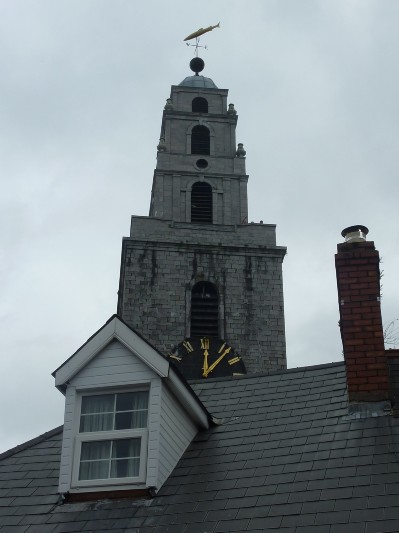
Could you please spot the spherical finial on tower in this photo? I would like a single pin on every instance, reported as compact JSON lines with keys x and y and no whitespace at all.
{"x":197,"y":65}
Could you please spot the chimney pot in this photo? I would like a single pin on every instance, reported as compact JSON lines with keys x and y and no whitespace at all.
{"x":355,"y":233}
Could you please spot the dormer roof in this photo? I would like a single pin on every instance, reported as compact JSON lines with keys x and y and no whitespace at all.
{"x":116,"y":329}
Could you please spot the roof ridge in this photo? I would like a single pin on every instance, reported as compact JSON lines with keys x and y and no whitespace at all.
{"x":31,"y":442}
{"x":315,"y":367}
{"x":273,"y":373}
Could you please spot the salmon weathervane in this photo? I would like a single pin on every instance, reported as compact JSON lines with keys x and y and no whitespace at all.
{"x":197,"y":34}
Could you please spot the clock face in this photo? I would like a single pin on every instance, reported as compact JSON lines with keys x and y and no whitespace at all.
{"x":206,"y":357}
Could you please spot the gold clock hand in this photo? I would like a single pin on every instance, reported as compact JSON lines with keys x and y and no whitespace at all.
{"x":205,"y":366}
{"x":214,"y":365}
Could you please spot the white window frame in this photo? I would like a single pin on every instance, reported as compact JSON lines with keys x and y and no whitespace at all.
{"x":80,"y":438}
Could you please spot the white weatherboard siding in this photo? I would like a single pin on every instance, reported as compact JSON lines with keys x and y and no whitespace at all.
{"x":154,"y":409}
{"x":114,"y":367}
{"x":67,"y":441}
{"x":176,"y":432}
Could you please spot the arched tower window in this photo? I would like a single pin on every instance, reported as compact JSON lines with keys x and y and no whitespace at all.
{"x":200,"y":140}
{"x":201,"y":203}
{"x":199,"y":105}
{"x":204,"y":310}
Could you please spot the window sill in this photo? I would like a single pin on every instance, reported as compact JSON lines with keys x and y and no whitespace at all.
{"x":131,"y":494}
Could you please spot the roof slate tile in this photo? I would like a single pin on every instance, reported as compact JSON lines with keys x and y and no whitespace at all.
{"x":348,"y":528}
{"x":261,"y":490}
{"x":383,"y":526}
{"x":229,"y":526}
{"x":313,"y":529}
{"x":299,"y":520}
{"x":273,"y":522}
{"x":203,"y":527}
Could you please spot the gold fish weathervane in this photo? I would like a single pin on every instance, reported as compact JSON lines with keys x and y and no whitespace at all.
{"x":201,"y":31}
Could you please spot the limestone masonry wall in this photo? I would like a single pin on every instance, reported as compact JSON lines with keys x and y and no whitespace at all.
{"x":162,"y":262}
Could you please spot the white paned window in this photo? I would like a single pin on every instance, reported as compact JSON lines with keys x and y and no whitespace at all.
{"x":111,"y":445}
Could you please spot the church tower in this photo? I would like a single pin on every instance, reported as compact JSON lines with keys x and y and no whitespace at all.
{"x":197,"y":280}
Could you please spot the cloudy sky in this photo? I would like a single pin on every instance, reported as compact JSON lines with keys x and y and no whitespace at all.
{"x":82,"y":88}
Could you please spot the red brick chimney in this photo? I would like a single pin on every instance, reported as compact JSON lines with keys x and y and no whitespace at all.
{"x":358,"y":281}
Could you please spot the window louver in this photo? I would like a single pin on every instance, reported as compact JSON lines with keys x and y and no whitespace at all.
{"x":200,"y":140}
{"x":201,"y":203}
{"x":204,"y":310}
{"x":199,"y":105}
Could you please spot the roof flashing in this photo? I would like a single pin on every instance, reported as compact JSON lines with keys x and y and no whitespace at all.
{"x":362,"y":410}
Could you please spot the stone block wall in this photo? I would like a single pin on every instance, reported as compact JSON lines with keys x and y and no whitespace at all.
{"x":171,"y":197}
{"x":160,"y":264}
{"x":183,"y":96}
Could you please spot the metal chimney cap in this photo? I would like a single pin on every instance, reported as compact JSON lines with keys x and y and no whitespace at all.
{"x":355,"y":233}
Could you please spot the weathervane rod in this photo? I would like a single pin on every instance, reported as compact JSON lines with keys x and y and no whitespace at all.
{"x":197,"y":45}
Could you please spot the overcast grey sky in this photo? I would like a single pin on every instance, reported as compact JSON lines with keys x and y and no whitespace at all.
{"x":82,"y":88}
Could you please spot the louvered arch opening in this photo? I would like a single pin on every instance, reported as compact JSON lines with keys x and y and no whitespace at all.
{"x":200,"y":140}
{"x":201,"y":203}
{"x":204,"y":310}
{"x":199,"y":105}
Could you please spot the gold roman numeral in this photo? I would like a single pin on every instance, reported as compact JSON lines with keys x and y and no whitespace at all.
{"x":233,"y":360}
{"x":176,"y":357}
{"x":205,"y":343}
{"x":222,"y":347}
{"x":188,"y":346}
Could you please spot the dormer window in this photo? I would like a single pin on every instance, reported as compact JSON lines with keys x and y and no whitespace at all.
{"x":111,"y":443}
{"x":199,"y":105}
{"x":128,"y":416}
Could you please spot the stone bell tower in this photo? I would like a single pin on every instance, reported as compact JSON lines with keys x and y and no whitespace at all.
{"x":195,"y":267}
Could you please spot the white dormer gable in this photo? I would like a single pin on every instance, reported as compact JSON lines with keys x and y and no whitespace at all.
{"x":128,"y":415}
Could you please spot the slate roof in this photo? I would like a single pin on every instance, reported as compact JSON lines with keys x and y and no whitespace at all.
{"x":285,"y":457}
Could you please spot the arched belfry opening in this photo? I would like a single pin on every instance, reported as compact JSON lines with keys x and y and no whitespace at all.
{"x":201,"y":203}
{"x":204,"y":310}
{"x":200,"y":140}
{"x":199,"y":105}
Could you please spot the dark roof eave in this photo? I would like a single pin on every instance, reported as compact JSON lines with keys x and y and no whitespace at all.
{"x":32,"y":442}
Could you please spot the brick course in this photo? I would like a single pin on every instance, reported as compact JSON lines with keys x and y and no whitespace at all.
{"x":358,"y":281}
